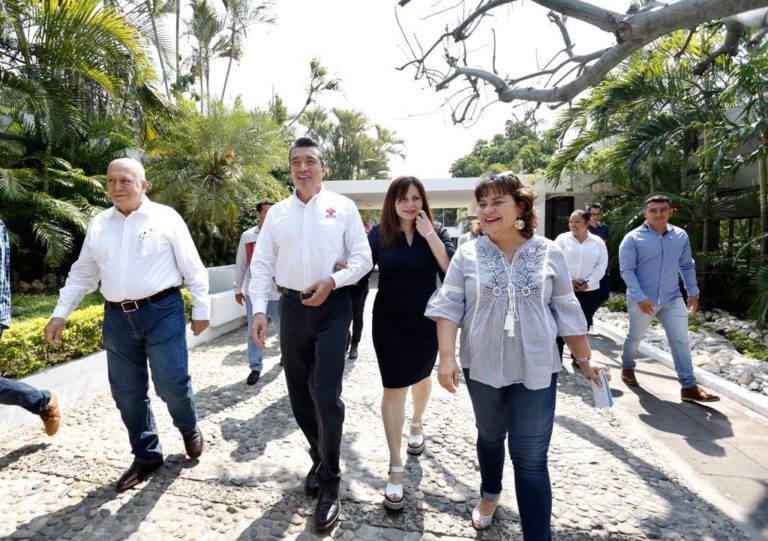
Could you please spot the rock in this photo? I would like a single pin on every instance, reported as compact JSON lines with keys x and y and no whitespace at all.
{"x":37,"y":285}
{"x":745,"y":378}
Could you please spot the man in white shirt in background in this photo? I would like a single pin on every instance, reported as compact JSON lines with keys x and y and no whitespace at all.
{"x":243,"y":280}
{"x":141,"y":251}
{"x":474,"y":231}
{"x":299,"y":244}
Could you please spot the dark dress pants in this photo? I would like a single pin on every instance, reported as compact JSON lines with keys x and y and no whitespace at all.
{"x":590,"y":302}
{"x":357,"y":296}
{"x":313,"y":344}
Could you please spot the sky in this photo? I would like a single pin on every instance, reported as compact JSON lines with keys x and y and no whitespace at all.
{"x":360,"y":42}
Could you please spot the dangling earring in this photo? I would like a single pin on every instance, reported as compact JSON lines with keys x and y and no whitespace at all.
{"x":519,"y":224}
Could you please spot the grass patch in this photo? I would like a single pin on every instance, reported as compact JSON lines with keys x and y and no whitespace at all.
{"x":748,"y":346}
{"x":25,"y":306}
{"x":616,"y":304}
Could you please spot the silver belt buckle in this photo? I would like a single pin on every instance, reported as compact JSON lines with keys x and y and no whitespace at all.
{"x":126,"y":306}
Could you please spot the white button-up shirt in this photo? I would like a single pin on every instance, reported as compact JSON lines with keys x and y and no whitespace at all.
{"x":136,"y":256}
{"x":300,"y":243}
{"x":586,"y":260}
{"x":242,"y":267}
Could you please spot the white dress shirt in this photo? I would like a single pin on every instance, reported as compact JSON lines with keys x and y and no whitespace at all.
{"x":136,"y":256}
{"x":300,"y":243}
{"x":586,"y":260}
{"x":243,"y":269}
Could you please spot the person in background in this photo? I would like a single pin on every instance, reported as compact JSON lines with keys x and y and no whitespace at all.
{"x":587,"y":259}
{"x":474,"y":231}
{"x":15,"y":393}
{"x":141,"y":252}
{"x":242,"y":282}
{"x":511,"y":293}
{"x":411,"y":252}
{"x":302,"y":239}
{"x":651,"y":257}
{"x":596,"y":227}
{"x":358,"y":293}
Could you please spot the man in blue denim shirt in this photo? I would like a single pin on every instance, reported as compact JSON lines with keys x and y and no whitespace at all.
{"x":650,"y":259}
{"x":15,"y":393}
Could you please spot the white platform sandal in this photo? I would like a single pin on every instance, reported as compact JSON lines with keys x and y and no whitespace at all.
{"x":416,"y":442}
{"x":394,"y":498}
{"x":481,"y":522}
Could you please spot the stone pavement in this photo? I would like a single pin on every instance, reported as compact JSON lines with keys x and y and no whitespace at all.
{"x":609,"y":481}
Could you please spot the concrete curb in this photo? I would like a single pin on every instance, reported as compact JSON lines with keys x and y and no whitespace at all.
{"x":88,"y":375}
{"x":749,"y":399}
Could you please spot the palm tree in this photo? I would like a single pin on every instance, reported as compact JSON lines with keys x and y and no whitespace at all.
{"x":205,"y":27}
{"x":241,"y":14}
{"x":211,"y":166}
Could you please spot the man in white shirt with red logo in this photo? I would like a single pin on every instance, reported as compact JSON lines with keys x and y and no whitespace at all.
{"x":141,"y":251}
{"x":243,"y":281}
{"x":299,"y":244}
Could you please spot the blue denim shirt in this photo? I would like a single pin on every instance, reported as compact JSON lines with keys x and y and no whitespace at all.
{"x":650,"y":264}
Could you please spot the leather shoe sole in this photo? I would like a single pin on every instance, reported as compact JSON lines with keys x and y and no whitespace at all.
{"x":137,"y":473}
{"x":327,"y":511}
{"x":628,"y":377}
{"x":194,"y":443}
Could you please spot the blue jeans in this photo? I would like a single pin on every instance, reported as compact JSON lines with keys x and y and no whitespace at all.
{"x":16,"y":393}
{"x":151,"y":338}
{"x":255,"y":353}
{"x":674,"y":319}
{"x":525,"y":419}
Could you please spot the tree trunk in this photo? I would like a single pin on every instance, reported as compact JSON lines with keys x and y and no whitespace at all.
{"x":762,"y":168}
{"x":229,"y":65}
{"x":178,"y":32}
{"x":157,"y":47}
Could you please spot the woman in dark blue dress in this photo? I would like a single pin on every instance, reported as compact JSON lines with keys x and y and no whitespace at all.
{"x":411,"y":254}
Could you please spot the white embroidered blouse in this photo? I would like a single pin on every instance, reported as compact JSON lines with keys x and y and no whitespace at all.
{"x":476,"y":295}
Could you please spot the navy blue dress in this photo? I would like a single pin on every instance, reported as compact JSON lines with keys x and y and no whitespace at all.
{"x":405,"y":341}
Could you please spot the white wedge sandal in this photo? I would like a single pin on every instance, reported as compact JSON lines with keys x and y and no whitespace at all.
{"x":394,"y":497}
{"x":416,"y":442}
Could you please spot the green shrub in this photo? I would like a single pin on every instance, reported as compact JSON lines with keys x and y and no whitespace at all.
{"x":747,"y":346}
{"x":616,"y":304}
{"x":23,"y":348}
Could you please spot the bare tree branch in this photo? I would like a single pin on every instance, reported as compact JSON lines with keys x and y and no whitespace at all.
{"x":632,"y":31}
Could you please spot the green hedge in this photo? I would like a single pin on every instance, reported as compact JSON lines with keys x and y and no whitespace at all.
{"x":23,"y":348}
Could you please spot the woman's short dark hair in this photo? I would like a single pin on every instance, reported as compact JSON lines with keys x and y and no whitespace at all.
{"x":508,"y":183}
{"x":390,"y":222}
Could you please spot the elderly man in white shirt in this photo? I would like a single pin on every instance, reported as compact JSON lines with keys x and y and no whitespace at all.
{"x":587,"y":259}
{"x":243,"y":281}
{"x":299,"y":244}
{"x":141,"y":251}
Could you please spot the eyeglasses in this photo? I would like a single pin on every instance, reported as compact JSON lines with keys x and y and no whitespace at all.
{"x":595,"y":213}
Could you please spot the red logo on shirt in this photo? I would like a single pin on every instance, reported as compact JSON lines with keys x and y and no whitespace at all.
{"x":330,"y":212}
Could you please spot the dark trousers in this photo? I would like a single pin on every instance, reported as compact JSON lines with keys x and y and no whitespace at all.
{"x":590,"y":301}
{"x":358,"y":306}
{"x":313,"y":345}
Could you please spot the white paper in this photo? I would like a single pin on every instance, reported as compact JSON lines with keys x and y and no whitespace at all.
{"x":603,"y":398}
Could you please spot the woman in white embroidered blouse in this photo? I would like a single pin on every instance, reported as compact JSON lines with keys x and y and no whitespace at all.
{"x":511,"y":293}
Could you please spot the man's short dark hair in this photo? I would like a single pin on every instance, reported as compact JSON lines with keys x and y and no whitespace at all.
{"x":307,"y":142}
{"x":658,"y":199}
{"x":264,"y":203}
{"x":594,"y":206}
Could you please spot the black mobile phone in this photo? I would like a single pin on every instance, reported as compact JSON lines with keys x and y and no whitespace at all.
{"x":305,"y":296}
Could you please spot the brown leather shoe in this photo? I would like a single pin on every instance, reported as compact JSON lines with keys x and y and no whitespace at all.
{"x":51,"y":415}
{"x":697,"y":394}
{"x":136,"y":474}
{"x":194,"y":443}
{"x":628,"y":377}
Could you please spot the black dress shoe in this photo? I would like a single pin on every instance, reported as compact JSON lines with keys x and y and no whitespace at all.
{"x":311,"y":486}
{"x":327,"y":510}
{"x":253,"y":377}
{"x":194,"y":443}
{"x":353,"y":352}
{"x":136,"y":474}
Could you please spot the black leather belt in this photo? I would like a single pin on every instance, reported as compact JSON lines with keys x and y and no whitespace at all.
{"x":298,"y":294}
{"x":132,"y":306}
